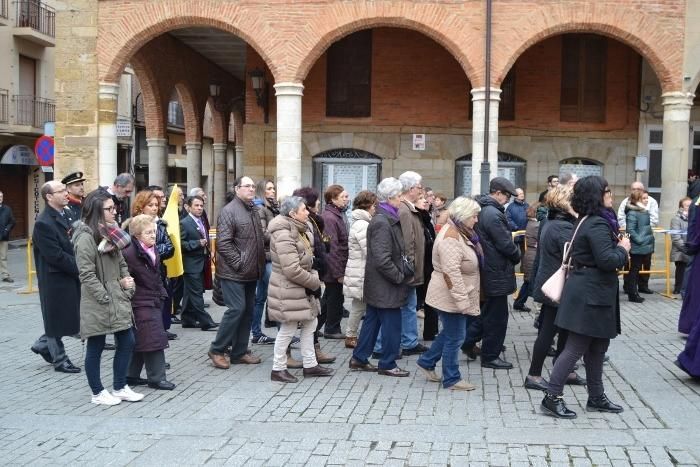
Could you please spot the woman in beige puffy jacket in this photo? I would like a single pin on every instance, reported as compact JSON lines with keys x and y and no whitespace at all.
{"x":454,"y":291}
{"x":294,"y":289}
{"x":364,"y":205}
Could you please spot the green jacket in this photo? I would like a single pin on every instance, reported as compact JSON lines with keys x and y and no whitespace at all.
{"x":639,"y":229}
{"x":105,"y":308}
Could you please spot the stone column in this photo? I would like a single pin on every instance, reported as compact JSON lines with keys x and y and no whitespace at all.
{"x":194,"y":165}
{"x":674,"y":159}
{"x":219,"y":178}
{"x":239,"y":161}
{"x":157,"y":161}
{"x":288,"y":137}
{"x":478,"y":150}
{"x":107,"y":133}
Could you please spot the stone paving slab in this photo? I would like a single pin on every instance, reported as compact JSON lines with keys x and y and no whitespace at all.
{"x":240,"y":417}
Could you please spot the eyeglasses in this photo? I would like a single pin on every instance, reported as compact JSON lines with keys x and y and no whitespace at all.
{"x":58,"y":191}
{"x":607,"y":191}
{"x":250,"y":185}
{"x":111,"y":208}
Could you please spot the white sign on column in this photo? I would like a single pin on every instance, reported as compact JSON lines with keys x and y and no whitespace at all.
{"x":288,"y":137}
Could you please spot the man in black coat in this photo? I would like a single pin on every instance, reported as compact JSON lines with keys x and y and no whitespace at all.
{"x":195,"y":253}
{"x":57,"y":274}
{"x":7,"y":223}
{"x":497,"y":276}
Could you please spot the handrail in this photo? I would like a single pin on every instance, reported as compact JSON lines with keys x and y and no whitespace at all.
{"x":4,"y":105}
{"x":33,"y":110}
{"x":36,"y":15}
{"x":3,"y":9}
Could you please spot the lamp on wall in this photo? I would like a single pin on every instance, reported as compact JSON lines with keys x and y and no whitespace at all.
{"x":260,"y":86}
{"x":220,"y":104}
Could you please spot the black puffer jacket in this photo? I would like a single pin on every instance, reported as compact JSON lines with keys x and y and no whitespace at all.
{"x":500,"y":253}
{"x":555,"y":233}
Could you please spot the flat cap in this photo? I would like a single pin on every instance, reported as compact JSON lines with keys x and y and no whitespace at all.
{"x":503,"y":185}
{"x":75,"y":177}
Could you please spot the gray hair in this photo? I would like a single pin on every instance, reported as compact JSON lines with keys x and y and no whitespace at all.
{"x":409,"y":180}
{"x":291,"y":204}
{"x":123,"y":179}
{"x":463,"y":208}
{"x":195,"y":191}
{"x":389,"y":188}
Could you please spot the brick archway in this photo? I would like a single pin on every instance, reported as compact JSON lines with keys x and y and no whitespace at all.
{"x":694,"y":83}
{"x":623,"y":23}
{"x":152,"y":100}
{"x":439,"y":22}
{"x":126,"y":27}
{"x":219,"y":122}
{"x":190,"y":111}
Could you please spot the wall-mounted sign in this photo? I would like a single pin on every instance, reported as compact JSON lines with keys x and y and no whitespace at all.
{"x":123,"y":128}
{"x":641,"y":163}
{"x":19,"y":155}
{"x":419,"y":142}
{"x":44,"y":150}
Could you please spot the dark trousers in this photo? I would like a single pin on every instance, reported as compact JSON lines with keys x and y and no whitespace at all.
{"x":154,"y":362}
{"x":680,"y":274}
{"x":544,"y":340}
{"x":333,"y":304}
{"x":593,"y":351}
{"x":54,"y":347}
{"x":193,"y":301}
{"x":522,"y":295}
{"x":490,"y":327}
{"x":177,"y":285}
{"x":93,"y":355}
{"x":167,"y":308}
{"x":430,"y":322}
{"x":389,"y":319}
{"x":234,"y":329}
{"x":638,"y":281}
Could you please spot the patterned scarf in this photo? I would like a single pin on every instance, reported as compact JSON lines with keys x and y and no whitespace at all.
{"x":113,"y":238}
{"x":472,"y":236}
{"x":611,"y":218}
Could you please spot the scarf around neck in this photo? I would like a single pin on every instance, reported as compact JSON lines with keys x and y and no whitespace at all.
{"x":113,"y":238}
{"x":611,"y":218}
{"x":472,"y":236}
{"x":391,"y":210}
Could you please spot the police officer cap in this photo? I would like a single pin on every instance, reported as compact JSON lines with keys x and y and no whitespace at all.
{"x":75,"y":177}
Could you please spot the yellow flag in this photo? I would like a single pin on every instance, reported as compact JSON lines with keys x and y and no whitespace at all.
{"x":171,"y":216}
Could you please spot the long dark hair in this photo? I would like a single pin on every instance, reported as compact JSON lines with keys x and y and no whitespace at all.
{"x":93,"y":214}
{"x":588,"y":195}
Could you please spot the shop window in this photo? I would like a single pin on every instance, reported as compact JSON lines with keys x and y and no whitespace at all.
{"x":581,"y":167}
{"x":348,"y":76}
{"x":583,"y":61}
{"x":509,"y":166}
{"x":355,"y":170}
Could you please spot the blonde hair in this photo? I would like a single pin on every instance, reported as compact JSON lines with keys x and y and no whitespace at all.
{"x":559,"y":198}
{"x":139,"y":223}
{"x":463,"y":208}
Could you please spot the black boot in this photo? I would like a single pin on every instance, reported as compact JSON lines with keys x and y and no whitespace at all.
{"x":555,"y":406}
{"x":635,"y":298}
{"x":602,"y":404}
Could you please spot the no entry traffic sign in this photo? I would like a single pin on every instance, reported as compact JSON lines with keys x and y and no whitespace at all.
{"x":43,"y":148}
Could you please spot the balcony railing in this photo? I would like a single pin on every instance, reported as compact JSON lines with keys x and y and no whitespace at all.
{"x":3,"y":9}
{"x":34,"y":111}
{"x":4,"y":105}
{"x":34,"y":14}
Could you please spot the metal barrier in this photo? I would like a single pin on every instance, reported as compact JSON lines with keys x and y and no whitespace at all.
{"x":30,"y":272}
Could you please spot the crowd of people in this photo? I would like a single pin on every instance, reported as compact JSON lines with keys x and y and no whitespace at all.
{"x":398,"y":254}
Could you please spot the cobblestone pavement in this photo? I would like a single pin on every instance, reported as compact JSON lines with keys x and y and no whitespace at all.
{"x":239,"y":417}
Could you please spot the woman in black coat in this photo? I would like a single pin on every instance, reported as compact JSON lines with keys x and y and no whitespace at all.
{"x":590,"y":304}
{"x":143,"y":261}
{"x":430,"y":319}
{"x":385,"y":289}
{"x":555,"y":233}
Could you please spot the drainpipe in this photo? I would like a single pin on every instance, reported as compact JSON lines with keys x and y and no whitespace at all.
{"x":485,"y":166}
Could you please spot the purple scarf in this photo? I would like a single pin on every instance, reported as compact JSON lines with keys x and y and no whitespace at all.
{"x":473,"y":237}
{"x":394,"y":212}
{"x":611,"y":218}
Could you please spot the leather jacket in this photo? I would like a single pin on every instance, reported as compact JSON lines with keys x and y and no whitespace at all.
{"x":240,"y":244}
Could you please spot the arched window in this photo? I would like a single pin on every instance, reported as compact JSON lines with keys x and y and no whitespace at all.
{"x":175,"y":116}
{"x":354,"y":169}
{"x":581,"y":167}
{"x":509,"y":166}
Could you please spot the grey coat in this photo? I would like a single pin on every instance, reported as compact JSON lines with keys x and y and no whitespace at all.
{"x":384,"y":278}
{"x":679,"y":222}
{"x":105,"y":308}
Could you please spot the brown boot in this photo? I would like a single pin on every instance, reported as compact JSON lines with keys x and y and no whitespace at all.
{"x":350,"y":342}
{"x":292,"y":363}
{"x":283,"y":376}
{"x":322,"y":357}
{"x":219,"y":360}
{"x":318,"y":370}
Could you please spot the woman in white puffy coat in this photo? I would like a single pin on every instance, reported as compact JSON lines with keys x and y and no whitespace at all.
{"x":363,"y":206}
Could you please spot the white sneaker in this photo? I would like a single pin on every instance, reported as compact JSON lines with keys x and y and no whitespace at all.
{"x":105,"y":398}
{"x":126,"y":394}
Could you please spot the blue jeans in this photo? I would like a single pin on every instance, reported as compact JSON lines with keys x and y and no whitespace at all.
{"x":409,"y":323}
{"x":260,"y":299}
{"x":125,"y":342}
{"x":389,"y":319}
{"x":446,"y":347}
